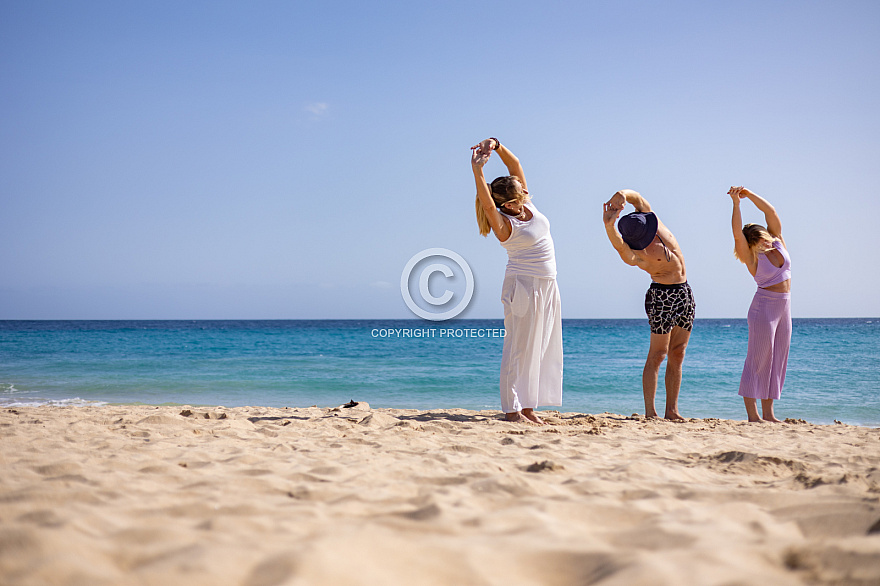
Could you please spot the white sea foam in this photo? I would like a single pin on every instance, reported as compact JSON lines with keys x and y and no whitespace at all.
{"x":8,"y":402}
{"x":10,"y":396}
{"x":9,"y":389}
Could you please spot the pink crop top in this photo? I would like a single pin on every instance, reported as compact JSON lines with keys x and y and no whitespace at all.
{"x":769,"y":274}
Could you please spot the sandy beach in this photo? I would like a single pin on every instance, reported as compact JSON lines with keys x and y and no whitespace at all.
{"x":257,"y":496}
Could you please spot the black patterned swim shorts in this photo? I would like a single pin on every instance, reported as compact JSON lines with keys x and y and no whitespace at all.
{"x":668,"y":306}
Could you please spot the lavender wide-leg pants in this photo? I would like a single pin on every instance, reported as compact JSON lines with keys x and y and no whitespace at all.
{"x":769,"y":340}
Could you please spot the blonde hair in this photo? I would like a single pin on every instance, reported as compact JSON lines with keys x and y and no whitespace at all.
{"x":756,"y":235}
{"x":503,"y":190}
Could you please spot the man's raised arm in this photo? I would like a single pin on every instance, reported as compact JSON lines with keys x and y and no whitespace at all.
{"x":635,"y":198}
{"x":611,"y":210}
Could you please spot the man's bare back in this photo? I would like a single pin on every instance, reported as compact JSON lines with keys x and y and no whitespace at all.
{"x":662,"y":259}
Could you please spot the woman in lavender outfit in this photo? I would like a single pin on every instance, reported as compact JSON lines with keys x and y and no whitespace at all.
{"x":765,"y":254}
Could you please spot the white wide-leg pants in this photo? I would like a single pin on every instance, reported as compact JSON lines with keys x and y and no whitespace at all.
{"x":531,"y":361}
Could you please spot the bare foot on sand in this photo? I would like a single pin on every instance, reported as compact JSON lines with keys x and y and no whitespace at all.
{"x":767,"y":411}
{"x":530,"y":415}
{"x":674,"y":416}
{"x":515,"y":417}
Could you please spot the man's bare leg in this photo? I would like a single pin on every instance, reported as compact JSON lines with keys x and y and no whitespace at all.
{"x":678,"y":341}
{"x":656,"y":354}
{"x":752,"y":410}
{"x":767,"y":410}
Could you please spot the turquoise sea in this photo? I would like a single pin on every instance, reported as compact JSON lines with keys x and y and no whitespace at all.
{"x":833,"y":367}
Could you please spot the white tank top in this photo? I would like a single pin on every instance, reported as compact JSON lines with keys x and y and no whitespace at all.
{"x":529,"y":248}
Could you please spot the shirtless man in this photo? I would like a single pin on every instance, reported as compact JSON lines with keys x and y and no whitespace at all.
{"x":643,"y":241}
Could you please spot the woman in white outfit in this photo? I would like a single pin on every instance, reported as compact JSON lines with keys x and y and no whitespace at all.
{"x":531,"y":361}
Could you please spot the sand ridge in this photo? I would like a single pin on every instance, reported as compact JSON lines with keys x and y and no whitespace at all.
{"x":267,"y":496}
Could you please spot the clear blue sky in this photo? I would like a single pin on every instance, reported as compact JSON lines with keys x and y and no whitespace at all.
{"x":239,"y":160}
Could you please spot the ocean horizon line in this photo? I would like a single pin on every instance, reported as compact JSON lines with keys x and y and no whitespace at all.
{"x":375,"y":319}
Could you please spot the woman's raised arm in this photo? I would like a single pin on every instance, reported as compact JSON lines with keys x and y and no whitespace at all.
{"x":740,"y":244}
{"x":771,"y":218}
{"x":491,"y":217}
{"x":514,"y":168}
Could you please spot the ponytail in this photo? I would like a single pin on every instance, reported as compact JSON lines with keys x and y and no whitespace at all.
{"x":482,"y":219}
